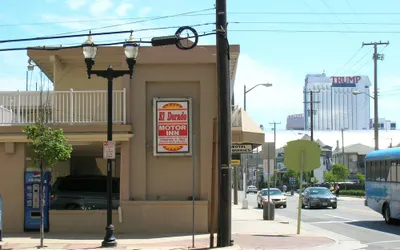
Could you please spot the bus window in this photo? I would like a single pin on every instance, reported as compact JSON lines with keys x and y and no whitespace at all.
{"x":392,"y":172}
{"x":397,"y":171}
{"x":376,"y":171}
{"x":368,"y":171}
{"x":385,"y":166}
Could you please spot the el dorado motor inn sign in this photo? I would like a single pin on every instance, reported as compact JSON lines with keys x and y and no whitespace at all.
{"x":172,"y":126}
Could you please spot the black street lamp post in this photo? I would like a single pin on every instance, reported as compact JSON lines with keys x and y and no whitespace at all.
{"x":89,"y":52}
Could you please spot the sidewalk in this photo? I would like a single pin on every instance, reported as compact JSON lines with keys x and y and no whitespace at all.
{"x":250,"y":231}
{"x":87,"y":242}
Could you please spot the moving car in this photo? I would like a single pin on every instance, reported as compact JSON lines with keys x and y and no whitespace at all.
{"x":276,"y":196}
{"x":252,"y":189}
{"x":318,"y":197}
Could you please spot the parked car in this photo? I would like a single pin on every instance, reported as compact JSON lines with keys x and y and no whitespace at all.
{"x":252,"y":189}
{"x":318,"y":197}
{"x":276,"y":196}
{"x":82,"y":192}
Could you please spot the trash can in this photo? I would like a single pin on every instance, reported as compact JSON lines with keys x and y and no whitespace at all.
{"x":268,"y":210}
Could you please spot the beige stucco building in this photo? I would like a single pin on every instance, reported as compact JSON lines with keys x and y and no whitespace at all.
{"x":154,"y":190}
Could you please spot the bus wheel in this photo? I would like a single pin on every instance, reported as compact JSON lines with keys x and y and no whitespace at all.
{"x":386,"y":214}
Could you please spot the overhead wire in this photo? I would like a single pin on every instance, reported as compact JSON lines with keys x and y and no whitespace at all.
{"x":316,"y":23}
{"x":316,"y":31}
{"x":61,"y":47}
{"x":108,"y":19}
{"x":94,"y":34}
{"x":348,"y":61}
{"x":139,"y":21}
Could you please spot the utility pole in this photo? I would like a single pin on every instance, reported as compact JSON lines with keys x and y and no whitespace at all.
{"x":343,"y":146}
{"x":312,"y":119}
{"x":274,"y":128}
{"x":224,"y":128}
{"x":376,"y":57}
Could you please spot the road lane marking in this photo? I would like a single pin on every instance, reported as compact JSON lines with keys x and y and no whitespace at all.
{"x":359,"y":210}
{"x":329,"y":222}
{"x":382,"y":242}
{"x":340,"y":217}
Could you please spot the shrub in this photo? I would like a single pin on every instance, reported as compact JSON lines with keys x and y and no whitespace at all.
{"x":352,"y":192}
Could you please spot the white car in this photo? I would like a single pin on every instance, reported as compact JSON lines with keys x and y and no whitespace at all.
{"x":252,"y":189}
{"x":276,"y":196}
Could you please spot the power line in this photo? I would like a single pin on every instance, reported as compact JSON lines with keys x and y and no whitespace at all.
{"x":313,"y":13}
{"x":93,"y":34}
{"x":316,"y":31}
{"x":105,"y":19}
{"x":140,"y":21}
{"x":192,"y":15}
{"x":348,"y":61}
{"x":315,"y":23}
{"x":54,"y":48}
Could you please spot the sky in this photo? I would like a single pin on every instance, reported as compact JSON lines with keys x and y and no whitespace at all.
{"x":281,"y":41}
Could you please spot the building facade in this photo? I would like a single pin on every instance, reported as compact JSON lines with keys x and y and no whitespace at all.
{"x":153,"y":189}
{"x":295,"y":122}
{"x":339,"y":102}
{"x":383,"y":124}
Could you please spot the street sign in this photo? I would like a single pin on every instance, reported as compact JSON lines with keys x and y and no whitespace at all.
{"x":109,"y":150}
{"x":295,"y":150}
{"x":235,"y":162}
{"x":241,"y":148}
{"x":292,"y":180}
{"x":300,"y":156}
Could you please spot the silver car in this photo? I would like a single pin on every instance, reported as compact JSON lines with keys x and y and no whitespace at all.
{"x":276,"y":196}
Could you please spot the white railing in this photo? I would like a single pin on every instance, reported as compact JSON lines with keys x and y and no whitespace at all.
{"x":61,"y":106}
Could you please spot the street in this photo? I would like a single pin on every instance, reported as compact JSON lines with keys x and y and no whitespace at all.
{"x":351,"y":219}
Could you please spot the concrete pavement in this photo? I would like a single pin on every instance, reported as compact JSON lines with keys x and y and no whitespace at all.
{"x":350,"y":223}
{"x":249,"y":231}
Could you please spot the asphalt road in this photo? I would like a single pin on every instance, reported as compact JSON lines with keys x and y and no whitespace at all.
{"x":351,"y":219}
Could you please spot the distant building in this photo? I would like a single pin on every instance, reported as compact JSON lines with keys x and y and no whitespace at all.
{"x":295,"y":122}
{"x":335,"y":105}
{"x":383,"y":124}
{"x":353,"y":157}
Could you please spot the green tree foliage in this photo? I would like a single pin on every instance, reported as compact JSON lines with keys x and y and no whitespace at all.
{"x":361,"y":178}
{"x":49,"y":144}
{"x":338,"y":173}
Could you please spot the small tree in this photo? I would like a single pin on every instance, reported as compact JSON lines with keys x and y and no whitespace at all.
{"x":49,"y":146}
{"x":340,"y":171}
{"x":361,"y":178}
{"x":329,"y":177}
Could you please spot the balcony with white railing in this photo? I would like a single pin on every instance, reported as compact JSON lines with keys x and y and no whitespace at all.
{"x":61,"y":107}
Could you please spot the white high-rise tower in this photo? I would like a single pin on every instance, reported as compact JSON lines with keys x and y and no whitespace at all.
{"x":335,"y":106}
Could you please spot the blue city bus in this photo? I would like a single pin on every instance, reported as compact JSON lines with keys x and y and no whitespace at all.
{"x":382,"y":182}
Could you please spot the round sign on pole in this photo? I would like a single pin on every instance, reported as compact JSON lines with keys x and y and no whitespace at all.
{"x":295,"y":150}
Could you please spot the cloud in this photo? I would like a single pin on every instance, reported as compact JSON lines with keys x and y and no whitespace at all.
{"x":268,"y":104}
{"x":98,"y":7}
{"x":76,"y":4}
{"x":123,"y":8}
{"x":143,"y":12}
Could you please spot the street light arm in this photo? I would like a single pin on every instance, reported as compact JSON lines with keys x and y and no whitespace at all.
{"x":260,"y":84}
{"x":112,"y":74}
{"x":358,"y":93}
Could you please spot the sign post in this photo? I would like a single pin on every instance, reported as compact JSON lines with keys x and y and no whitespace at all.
{"x":109,"y":150}
{"x":300,"y":156}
